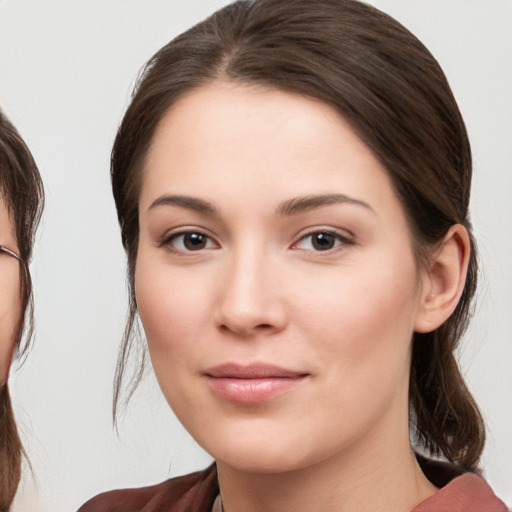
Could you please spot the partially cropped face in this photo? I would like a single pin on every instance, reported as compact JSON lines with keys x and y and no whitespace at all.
{"x":275,"y":279}
{"x":10,"y":300}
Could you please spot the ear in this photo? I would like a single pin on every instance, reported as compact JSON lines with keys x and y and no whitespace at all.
{"x":444,"y":279}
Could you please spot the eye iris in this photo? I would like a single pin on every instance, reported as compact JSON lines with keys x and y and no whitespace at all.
{"x":323,"y":241}
{"x":194,"y":241}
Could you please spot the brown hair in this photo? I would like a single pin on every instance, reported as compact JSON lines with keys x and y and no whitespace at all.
{"x":381,"y":79}
{"x":22,"y":190}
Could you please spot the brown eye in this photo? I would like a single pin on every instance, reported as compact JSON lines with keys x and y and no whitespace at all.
{"x":189,"y":241}
{"x":323,"y":241}
{"x":194,"y":241}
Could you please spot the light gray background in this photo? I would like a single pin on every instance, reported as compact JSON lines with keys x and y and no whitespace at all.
{"x":67,"y":68}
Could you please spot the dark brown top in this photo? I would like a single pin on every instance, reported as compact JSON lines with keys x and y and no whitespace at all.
{"x":196,"y":492}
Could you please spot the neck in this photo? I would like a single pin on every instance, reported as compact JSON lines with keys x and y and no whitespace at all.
{"x":382,"y":476}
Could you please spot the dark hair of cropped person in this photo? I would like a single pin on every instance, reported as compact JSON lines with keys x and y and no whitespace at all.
{"x":21,"y":189}
{"x":395,"y":96}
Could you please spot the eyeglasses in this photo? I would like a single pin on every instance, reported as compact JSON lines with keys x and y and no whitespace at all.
{"x":9,"y":252}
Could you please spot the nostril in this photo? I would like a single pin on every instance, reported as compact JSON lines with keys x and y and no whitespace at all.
{"x":245,"y":331}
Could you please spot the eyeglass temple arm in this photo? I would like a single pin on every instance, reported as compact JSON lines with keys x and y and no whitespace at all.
{"x":10,"y":252}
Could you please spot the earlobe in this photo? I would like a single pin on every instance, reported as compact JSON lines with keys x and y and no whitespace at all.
{"x":444,"y":280}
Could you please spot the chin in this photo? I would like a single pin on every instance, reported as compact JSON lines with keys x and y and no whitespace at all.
{"x":261,"y":448}
{"x":260,"y":461}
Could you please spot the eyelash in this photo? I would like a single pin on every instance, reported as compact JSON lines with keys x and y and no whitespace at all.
{"x":168,"y":240}
{"x":342,"y":240}
{"x":339,"y":239}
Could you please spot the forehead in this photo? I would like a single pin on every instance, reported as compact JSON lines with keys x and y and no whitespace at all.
{"x":231,"y":132}
{"x":226,"y":112}
{"x":253,"y":147}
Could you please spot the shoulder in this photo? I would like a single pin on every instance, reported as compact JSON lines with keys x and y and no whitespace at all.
{"x":459,"y":491}
{"x":191,"y":493}
{"x":466,"y":493}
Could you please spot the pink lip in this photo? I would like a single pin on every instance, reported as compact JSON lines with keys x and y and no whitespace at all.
{"x":251,"y":383}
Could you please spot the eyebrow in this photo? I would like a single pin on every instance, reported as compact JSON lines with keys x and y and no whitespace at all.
{"x":192,"y":203}
{"x":286,"y":208}
{"x":302,"y":204}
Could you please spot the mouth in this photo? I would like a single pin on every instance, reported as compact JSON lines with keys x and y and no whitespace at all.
{"x":254,"y":383}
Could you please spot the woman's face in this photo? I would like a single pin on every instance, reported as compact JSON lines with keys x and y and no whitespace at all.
{"x":275,"y":279}
{"x":10,"y":300}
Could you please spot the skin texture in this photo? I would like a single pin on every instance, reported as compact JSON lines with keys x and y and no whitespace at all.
{"x":10,"y":301}
{"x":260,"y":291}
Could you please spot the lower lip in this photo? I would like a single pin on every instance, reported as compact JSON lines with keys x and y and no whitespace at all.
{"x":250,"y":391}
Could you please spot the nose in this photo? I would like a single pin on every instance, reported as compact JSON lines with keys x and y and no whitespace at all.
{"x":251,"y":301}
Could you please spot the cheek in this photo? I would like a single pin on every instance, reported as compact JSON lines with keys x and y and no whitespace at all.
{"x":364,"y":323}
{"x":171,"y":307}
{"x":10,"y":313}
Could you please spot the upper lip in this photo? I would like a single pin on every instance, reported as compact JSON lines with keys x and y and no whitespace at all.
{"x":251,"y":371}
